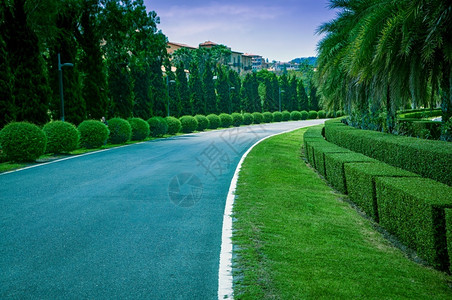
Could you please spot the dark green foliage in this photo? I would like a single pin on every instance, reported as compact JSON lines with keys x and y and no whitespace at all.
{"x":330,"y":114}
{"x":318,"y":148}
{"x":312,"y":134}
{"x":339,"y":113}
{"x":22,"y":141}
{"x":234,"y":90}
{"x":158,"y":126}
{"x":420,"y":114}
{"x":312,"y":114}
{"x":360,"y":178}
{"x":214,"y":121}
{"x":224,"y":104}
{"x":258,"y":118}
{"x":248,"y":119}
{"x":268,"y":117}
{"x":120,"y":131}
{"x":62,"y":137}
{"x":203,"y":122}
{"x":295,"y":115}
{"x":174,"y":125}
{"x":303,"y":100}
{"x":449,"y":235}
{"x":277,"y":116}
{"x":208,"y":84}
{"x":196,"y":91}
{"x":321,"y":114}
{"x":313,"y":99}
{"x":183,"y":91}
{"x":226,"y":120}
{"x":334,"y":167}
{"x":430,"y":159}
{"x":412,"y":208}
{"x":188,"y":123}
{"x":140,"y":128}
{"x":285,"y":115}
{"x":7,"y":110}
{"x":304,"y":115}
{"x":251,"y":102}
{"x":237,"y":119}
{"x":93,"y":134}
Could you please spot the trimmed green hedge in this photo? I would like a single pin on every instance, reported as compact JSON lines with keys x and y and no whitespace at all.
{"x":174,"y":125}
{"x":22,"y":141}
{"x":120,"y":131}
{"x":312,"y":114}
{"x":319,"y":150}
{"x":203,"y":122}
{"x":225,"y":120}
{"x":214,"y":121}
{"x":430,"y":159}
{"x":285,"y":115}
{"x":237,"y":119}
{"x":277,"y":116}
{"x":321,"y":114}
{"x":188,"y":123}
{"x":304,"y":115}
{"x":360,"y":178}
{"x":334,"y":167}
{"x":62,"y":137}
{"x":248,"y":119}
{"x":140,"y":128}
{"x":268,"y":117}
{"x":449,"y":235}
{"x":158,"y":126}
{"x":258,"y":118}
{"x":413,"y":209}
{"x":420,"y":114}
{"x":295,"y":115}
{"x":93,"y":134}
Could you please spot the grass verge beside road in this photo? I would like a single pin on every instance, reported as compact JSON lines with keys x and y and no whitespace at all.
{"x":295,"y":238}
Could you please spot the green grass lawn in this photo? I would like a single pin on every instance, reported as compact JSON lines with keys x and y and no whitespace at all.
{"x":295,"y":238}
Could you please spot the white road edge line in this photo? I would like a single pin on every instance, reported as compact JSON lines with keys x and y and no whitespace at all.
{"x":225,"y":278}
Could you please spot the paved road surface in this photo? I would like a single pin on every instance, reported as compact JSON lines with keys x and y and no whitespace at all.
{"x":137,"y":222}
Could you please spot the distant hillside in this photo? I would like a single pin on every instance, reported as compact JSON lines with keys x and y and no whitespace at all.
{"x":309,"y":60}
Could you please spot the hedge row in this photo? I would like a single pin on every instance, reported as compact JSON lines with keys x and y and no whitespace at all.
{"x":409,"y":206}
{"x":420,"y":114}
{"x":430,"y":159}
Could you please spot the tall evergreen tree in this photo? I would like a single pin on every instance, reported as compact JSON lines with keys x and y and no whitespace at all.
{"x":30,"y":89}
{"x":196,"y":91}
{"x":159,"y":91}
{"x":251,"y":101}
{"x":234,"y":90}
{"x":223,"y":100}
{"x":291,"y":94}
{"x":142,"y":106}
{"x":313,"y":99}
{"x":285,"y":96}
{"x":185,"y":107}
{"x":209,"y":89}
{"x":302,"y":96}
{"x":7,"y":109}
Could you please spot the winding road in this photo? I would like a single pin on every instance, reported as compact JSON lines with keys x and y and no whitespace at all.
{"x":137,"y":222}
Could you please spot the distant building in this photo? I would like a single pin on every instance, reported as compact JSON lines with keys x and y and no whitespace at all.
{"x":247,"y":60}
{"x":176,"y":46}
{"x":257,"y":62}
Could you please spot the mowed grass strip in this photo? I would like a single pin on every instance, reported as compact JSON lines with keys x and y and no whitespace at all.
{"x":295,"y":238}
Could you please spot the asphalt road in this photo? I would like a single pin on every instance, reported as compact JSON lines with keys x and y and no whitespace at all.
{"x":136,"y":222}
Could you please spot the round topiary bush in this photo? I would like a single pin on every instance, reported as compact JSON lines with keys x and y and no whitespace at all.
{"x":61,"y":137}
{"x":174,"y":125}
{"x":285,"y":115}
{"x":248,"y":119}
{"x":203,"y":122}
{"x":237,"y":119}
{"x":268,"y":117}
{"x":258,"y":118}
{"x":304,"y":115}
{"x":214,"y":121}
{"x":226,"y":120}
{"x":158,"y":126}
{"x":295,"y":115}
{"x":140,"y":129}
{"x":22,"y":141}
{"x":312,"y":114}
{"x":120,"y":131}
{"x":321,"y":114}
{"x":277,"y":116}
{"x":93,"y":134}
{"x":189,"y":124}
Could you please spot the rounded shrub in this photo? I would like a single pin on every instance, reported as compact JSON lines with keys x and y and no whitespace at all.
{"x":61,"y":137}
{"x":214,"y":121}
{"x":22,"y":141}
{"x":188,"y":123}
{"x":277,"y":116}
{"x":120,"y":131}
{"x":258,"y":118}
{"x":295,"y":115}
{"x":248,"y":119}
{"x":304,"y":115}
{"x":174,"y":125}
{"x":226,"y":120}
{"x":140,"y":129}
{"x":268,"y":117}
{"x":330,"y":114}
{"x":93,"y":134}
{"x":237,"y":119}
{"x":158,"y":126}
{"x":203,"y":122}
{"x":321,"y":114}
{"x":285,"y":115}
{"x":312,"y":114}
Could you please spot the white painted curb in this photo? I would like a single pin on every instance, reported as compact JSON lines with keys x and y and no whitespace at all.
{"x":225,"y":278}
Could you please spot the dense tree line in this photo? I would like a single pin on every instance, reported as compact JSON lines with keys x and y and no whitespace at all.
{"x":117,"y":54}
{"x":384,"y":55}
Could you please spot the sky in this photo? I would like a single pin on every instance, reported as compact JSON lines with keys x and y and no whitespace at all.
{"x":279,"y":30}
